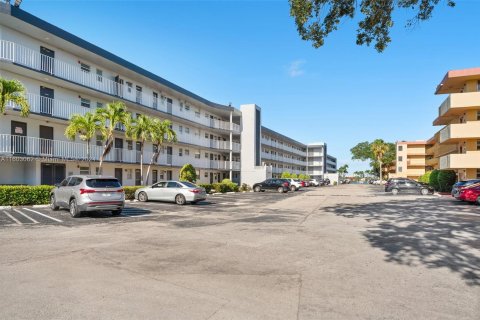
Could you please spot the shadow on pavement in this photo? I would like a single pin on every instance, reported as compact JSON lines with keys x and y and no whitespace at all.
{"x":431,"y":232}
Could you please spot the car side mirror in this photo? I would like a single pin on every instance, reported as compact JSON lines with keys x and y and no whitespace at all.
{"x":58,"y":185}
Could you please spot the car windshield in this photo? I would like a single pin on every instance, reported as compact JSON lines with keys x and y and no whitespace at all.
{"x":188,"y":184}
{"x":296,"y":180}
{"x":103,"y":183}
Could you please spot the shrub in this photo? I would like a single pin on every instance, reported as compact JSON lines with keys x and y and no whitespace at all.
{"x":245,"y":187}
{"x":24,"y":195}
{"x":294,"y":176}
{"x":446,"y":179}
{"x":425,"y":178}
{"x":207,"y":186}
{"x":188,"y":173}
{"x":433,"y":180}
{"x":286,"y":175}
{"x":130,"y":192}
{"x":225,"y":186}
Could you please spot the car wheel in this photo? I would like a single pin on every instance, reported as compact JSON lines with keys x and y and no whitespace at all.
{"x":53,"y":205}
{"x":117,"y":212}
{"x":280,"y":189}
{"x":394,"y":191}
{"x":257,"y":189}
{"x":74,"y":209}
{"x":142,"y":196}
{"x":180,"y":199}
{"x":293,"y":188}
{"x":424,"y":191}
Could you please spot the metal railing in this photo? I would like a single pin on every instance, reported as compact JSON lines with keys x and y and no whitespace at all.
{"x":32,"y":59}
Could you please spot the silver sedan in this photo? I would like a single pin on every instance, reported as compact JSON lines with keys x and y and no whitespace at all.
{"x":179,"y":192}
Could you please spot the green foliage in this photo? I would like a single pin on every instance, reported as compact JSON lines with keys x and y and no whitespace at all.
{"x":364,"y":151}
{"x":24,"y":195}
{"x":286,"y":175}
{"x":294,"y":176}
{"x":446,"y":180}
{"x":315,"y":20}
{"x":245,"y":187}
{"x":13,"y":91}
{"x":130,"y":192}
{"x":425,"y":178}
{"x":188,"y":173}
{"x":207,"y":186}
{"x":433,"y":181}
{"x":225,"y":186}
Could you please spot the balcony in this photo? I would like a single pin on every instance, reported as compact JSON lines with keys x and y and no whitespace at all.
{"x":418,"y":151}
{"x":468,"y":160}
{"x":26,"y":57}
{"x":460,"y":131}
{"x":416,"y":162}
{"x":456,"y":104}
{"x":13,"y":145}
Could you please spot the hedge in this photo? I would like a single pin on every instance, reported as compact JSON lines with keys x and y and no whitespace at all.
{"x":425,"y":178}
{"x":221,"y":187}
{"x":130,"y":192}
{"x":24,"y":195}
{"x":207,"y":186}
{"x":446,"y":180}
{"x":433,"y":181}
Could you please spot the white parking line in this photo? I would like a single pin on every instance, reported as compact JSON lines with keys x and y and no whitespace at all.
{"x":44,"y":215}
{"x":23,"y":214}
{"x":12,"y":217}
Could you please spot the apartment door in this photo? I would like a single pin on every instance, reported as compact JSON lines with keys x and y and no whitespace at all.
{"x":47,"y":60}
{"x":155,"y":100}
{"x":169,"y":105}
{"x":119,"y":86}
{"x":211,"y":177}
{"x":46,"y":140}
{"x":138,"y":148}
{"x":119,"y":175}
{"x":138,"y":177}
{"x":154,"y":176}
{"x":51,"y":173}
{"x":169,"y":174}
{"x":46,"y":100}
{"x":169,"y":155}
{"x":118,"y":149}
{"x":19,"y":137}
{"x":139,"y":94}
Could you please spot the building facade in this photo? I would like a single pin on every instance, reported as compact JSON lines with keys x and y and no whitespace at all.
{"x":319,"y":162}
{"x":66,"y":75}
{"x":459,"y":114}
{"x":411,"y":161}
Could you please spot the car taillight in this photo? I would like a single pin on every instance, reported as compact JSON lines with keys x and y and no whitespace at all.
{"x":121,"y":190}
{"x":195,"y":190}
{"x":83,"y":191}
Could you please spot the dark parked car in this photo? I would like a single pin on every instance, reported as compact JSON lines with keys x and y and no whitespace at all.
{"x":394,"y":180}
{"x":408,"y":186}
{"x":457,"y":187}
{"x":279,"y":185}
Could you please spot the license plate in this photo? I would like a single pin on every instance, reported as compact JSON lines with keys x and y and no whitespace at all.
{"x":106,"y":194}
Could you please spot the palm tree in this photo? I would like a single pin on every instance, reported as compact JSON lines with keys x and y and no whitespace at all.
{"x":112,"y":115}
{"x":86,"y":127}
{"x":379,"y":148}
{"x":160,"y":133}
{"x":13,"y":91}
{"x":140,"y":129}
{"x":343,"y":170}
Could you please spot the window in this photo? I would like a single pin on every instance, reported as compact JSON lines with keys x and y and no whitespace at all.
{"x":197,"y":114}
{"x":84,"y":67}
{"x":169,"y":102}
{"x":206,"y":155}
{"x":99,"y":75}
{"x":187,"y":152}
{"x":181,"y":106}
{"x":478,"y":144}
{"x":187,"y":130}
{"x":129,"y":87}
{"x":129,"y":145}
{"x":85,"y":103}
{"x":99,"y":141}
{"x":400,"y":158}
{"x":400,"y":169}
{"x":206,"y":135}
{"x":206,"y":174}
{"x":187,"y":108}
{"x":197,"y":155}
{"x":400,"y":148}
{"x":180,"y":152}
{"x":155,"y":100}
{"x":99,"y":105}
{"x":478,"y":115}
{"x":84,"y":170}
{"x":180,"y":129}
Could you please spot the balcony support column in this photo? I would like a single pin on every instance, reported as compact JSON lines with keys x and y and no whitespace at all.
{"x":231,"y":146}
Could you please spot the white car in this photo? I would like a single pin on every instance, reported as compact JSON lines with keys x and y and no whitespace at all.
{"x":295,"y":184}
{"x":179,"y":192}
{"x":314,"y":182}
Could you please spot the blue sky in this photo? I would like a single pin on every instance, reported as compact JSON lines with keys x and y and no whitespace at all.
{"x":250,"y":52}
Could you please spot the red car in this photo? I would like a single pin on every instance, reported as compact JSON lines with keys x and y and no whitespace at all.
{"x":470,"y":194}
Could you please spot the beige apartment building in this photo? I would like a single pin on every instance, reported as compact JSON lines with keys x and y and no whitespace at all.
{"x":411,"y":161}
{"x":459,"y":114}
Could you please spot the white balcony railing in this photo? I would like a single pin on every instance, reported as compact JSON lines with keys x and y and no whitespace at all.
{"x":18,"y":54}
{"x":14,"y":145}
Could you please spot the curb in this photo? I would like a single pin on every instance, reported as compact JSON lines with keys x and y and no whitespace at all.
{"x":40,"y":206}
{"x":5,"y":207}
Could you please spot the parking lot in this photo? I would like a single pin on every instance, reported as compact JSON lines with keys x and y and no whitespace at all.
{"x":345,"y":252}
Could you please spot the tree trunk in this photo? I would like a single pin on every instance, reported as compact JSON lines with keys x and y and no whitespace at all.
{"x":154,"y":156}
{"x":88,"y":157}
{"x":106,"y":150}
{"x":381,"y":173}
{"x":141,"y":164}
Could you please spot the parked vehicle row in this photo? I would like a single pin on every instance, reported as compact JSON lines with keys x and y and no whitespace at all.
{"x":468,"y":190}
{"x":179,"y":192}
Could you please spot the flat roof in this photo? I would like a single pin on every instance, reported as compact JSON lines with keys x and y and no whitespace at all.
{"x":419,"y":142}
{"x":28,"y":18}
{"x":283,"y":137}
{"x":454,"y":80}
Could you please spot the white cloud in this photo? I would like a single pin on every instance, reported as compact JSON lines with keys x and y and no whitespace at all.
{"x":295,"y":69}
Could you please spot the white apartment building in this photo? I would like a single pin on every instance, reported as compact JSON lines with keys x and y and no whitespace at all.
{"x":64,"y":75}
{"x":319,"y":162}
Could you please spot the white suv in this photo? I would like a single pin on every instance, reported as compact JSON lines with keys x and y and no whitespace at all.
{"x":314,"y":182}
{"x":295,"y":184}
